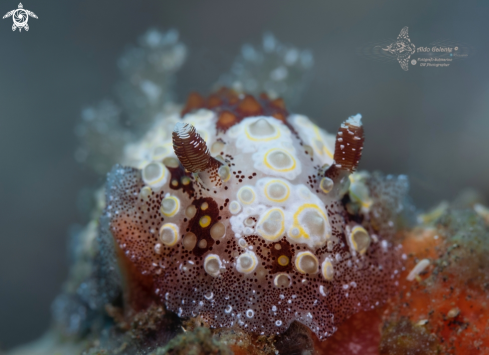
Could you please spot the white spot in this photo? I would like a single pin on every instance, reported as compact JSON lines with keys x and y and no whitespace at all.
{"x":359,"y":239}
{"x":170,"y":206}
{"x":306,"y":262}
{"x":326,"y":184}
{"x":327,"y":269}
{"x":262,"y":129}
{"x":212,"y":264}
{"x":271,"y":225}
{"x":169,"y":234}
{"x":158,"y":248}
{"x":419,"y":268}
{"x":323,"y":291}
{"x":242,"y":243}
{"x":246,"y":262}
{"x":234,"y":207}
{"x":248,"y":230}
{"x":246,"y":195}
{"x":155,"y":175}
{"x":279,"y":73}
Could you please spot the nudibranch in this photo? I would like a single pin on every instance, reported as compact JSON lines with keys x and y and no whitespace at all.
{"x":240,"y":212}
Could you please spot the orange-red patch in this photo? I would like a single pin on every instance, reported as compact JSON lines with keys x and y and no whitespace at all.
{"x":231,"y":108}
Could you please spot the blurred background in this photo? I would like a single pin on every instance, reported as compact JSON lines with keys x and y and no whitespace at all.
{"x":429,"y":123}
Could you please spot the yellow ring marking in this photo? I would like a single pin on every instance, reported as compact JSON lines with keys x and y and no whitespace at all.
{"x":145,"y":192}
{"x":166,"y":150}
{"x":265,"y":139}
{"x":298,"y":260}
{"x":175,"y":210}
{"x":185,"y":180}
{"x":209,"y":259}
{"x":244,"y":188}
{"x":162,"y":175}
{"x":283,"y":260}
{"x":353,"y":241}
{"x":224,"y":170}
{"x":280,"y":170}
{"x":174,"y":228}
{"x":325,"y":146}
{"x":262,"y":233}
{"x":252,"y":267}
{"x":205,"y":221}
{"x":280,"y":278}
{"x":323,"y":182}
{"x":365,"y":201}
{"x":276,"y":181}
{"x":302,"y":232}
{"x":327,"y":270}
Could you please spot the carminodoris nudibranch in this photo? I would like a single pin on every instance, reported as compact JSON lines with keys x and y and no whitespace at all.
{"x":237,"y":214}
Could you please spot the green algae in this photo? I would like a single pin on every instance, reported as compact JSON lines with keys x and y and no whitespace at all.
{"x":466,"y":248}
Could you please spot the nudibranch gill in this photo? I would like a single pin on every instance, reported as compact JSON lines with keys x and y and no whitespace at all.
{"x":240,"y":213}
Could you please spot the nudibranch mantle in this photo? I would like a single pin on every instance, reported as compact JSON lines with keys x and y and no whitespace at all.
{"x":259,"y":235}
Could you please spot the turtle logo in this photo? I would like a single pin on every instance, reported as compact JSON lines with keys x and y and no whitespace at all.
{"x":403,"y":48}
{"x":20,"y":17}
